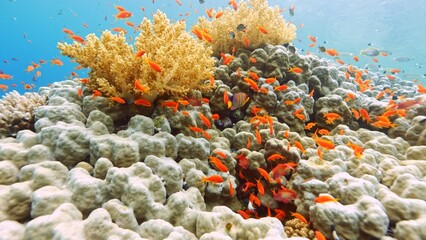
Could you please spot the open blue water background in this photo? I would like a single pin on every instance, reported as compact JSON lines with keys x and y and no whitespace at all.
{"x":30,"y":30}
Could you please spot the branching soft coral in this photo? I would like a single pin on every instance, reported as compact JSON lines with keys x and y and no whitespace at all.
{"x":253,"y":15}
{"x":185,"y":63}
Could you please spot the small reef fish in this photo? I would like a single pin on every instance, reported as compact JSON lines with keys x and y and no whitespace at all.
{"x":123,"y":14}
{"x":238,"y":100}
{"x":241,"y":27}
{"x":4,"y":87}
{"x":5,"y":76}
{"x":291,"y":10}
{"x":212,"y":179}
{"x":371,"y":52}
{"x":142,"y":102}
{"x":299,"y":216}
{"x":202,"y":1}
{"x":402,"y":59}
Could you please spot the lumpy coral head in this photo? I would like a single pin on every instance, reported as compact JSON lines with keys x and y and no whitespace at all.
{"x":173,"y":62}
{"x":252,"y":24}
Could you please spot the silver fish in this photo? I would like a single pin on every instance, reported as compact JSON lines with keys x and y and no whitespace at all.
{"x":402,"y":59}
{"x":231,"y":35}
{"x":371,"y":52}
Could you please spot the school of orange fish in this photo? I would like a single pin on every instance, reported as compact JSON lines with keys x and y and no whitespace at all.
{"x":268,"y":179}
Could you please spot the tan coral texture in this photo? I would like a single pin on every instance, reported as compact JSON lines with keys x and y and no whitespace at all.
{"x":254,"y":14}
{"x":17,"y":111}
{"x":185,"y":63}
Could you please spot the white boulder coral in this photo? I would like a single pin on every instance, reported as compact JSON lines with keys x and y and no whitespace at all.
{"x":17,"y":111}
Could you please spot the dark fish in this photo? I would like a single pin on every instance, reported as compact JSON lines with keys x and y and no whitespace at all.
{"x":291,"y":10}
{"x":202,"y":1}
{"x":194,"y":101}
{"x":15,"y":59}
{"x":238,"y":100}
{"x":325,"y":42}
{"x":321,"y":48}
{"x":231,"y":35}
{"x":241,"y":27}
{"x":292,"y":49}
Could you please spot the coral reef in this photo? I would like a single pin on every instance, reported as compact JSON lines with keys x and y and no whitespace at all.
{"x":17,"y":112}
{"x":284,"y":145}
{"x":261,"y":24}
{"x":184,"y":64}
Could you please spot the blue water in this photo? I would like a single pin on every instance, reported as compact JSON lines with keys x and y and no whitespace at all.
{"x":30,"y":30}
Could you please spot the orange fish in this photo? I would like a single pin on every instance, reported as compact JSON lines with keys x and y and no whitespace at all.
{"x":218,"y":164}
{"x":282,"y":87}
{"x":270,"y":80}
{"x":123,"y":14}
{"x":96,"y":93}
{"x":4,"y":87}
{"x":255,"y":200}
{"x":141,"y":88}
{"x":325,"y":143}
{"x":312,"y":38}
{"x":356,"y":59}
{"x":325,"y":198}
{"x":231,"y":188}
{"x":310,"y":125}
{"x":295,"y":70}
{"x":284,"y":195}
{"x":276,"y":156}
{"x":67,"y":31}
{"x":212,"y":179}
{"x":142,"y":102}
{"x":299,"y":146}
{"x":154,"y":66}
{"x":300,"y":217}
{"x":332,"y":52}
{"x":171,"y":104}
{"x":5,"y":76}
{"x":205,"y":120}
{"x":246,"y":41}
{"x":365,"y":116}
{"x":219,"y":14}
{"x":78,"y":39}
{"x":119,"y":8}
{"x":252,"y":59}
{"x":264,"y":174}
{"x":262,"y":29}
{"x":260,"y":188}
{"x":319,"y":236}
{"x":79,"y":92}
{"x":330,"y":117}
{"x":56,"y":61}
{"x":118,"y":99}
{"x":280,"y":214}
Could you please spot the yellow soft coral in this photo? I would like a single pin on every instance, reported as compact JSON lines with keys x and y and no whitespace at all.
{"x":185,"y":63}
{"x":253,"y":15}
